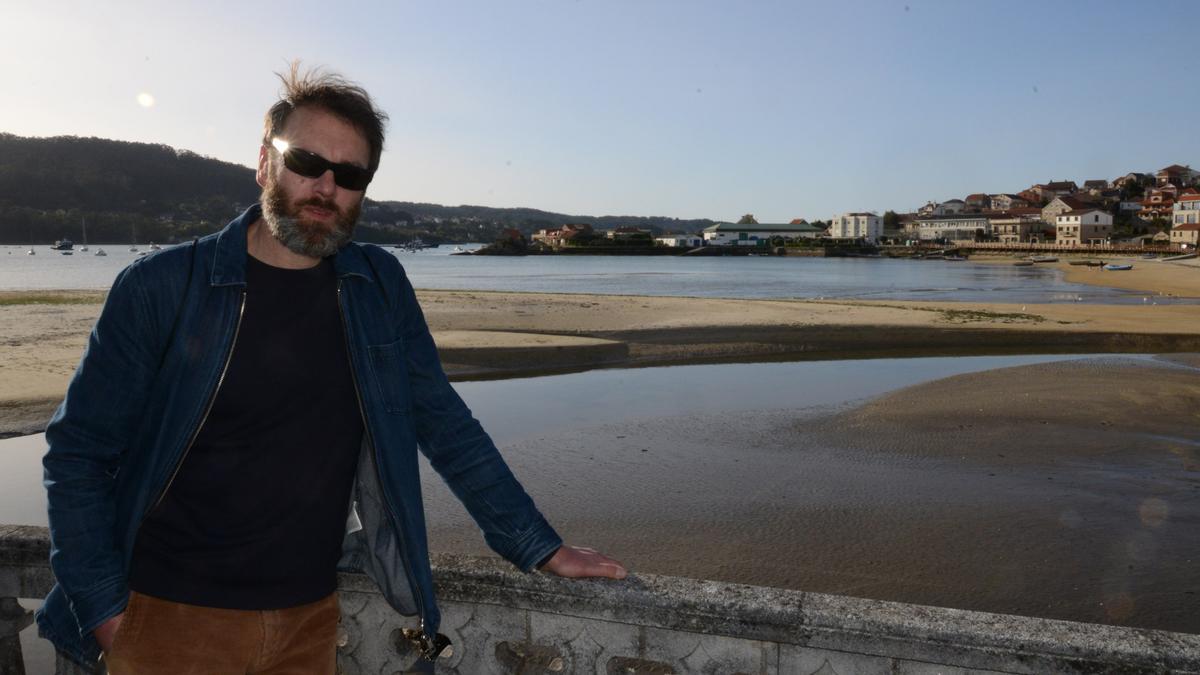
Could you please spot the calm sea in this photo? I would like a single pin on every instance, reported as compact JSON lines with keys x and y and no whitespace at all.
{"x":735,"y":277}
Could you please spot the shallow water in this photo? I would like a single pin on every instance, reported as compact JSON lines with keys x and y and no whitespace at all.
{"x":729,"y":277}
{"x":733,"y":472}
{"x":513,"y":410}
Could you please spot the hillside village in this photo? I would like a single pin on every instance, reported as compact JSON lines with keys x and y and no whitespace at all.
{"x":1138,"y":209}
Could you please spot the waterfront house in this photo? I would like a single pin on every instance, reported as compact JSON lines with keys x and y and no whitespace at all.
{"x":1186,"y":211}
{"x":627,"y":233}
{"x":561,"y":236}
{"x":1185,"y":237}
{"x":865,"y":226}
{"x":1134,"y":179}
{"x":1160,"y":203}
{"x":952,"y":206}
{"x":1018,"y":228}
{"x":957,"y":227}
{"x":978,"y":202}
{"x":680,"y":240}
{"x":1095,"y":187}
{"x":1059,"y":188}
{"x":1179,"y":176}
{"x":757,"y":234}
{"x":1083,"y":226}
{"x":1008,"y":202}
{"x":1060,"y":205}
{"x":1032,"y":197}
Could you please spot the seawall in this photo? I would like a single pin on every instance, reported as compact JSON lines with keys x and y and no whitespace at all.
{"x":503,"y":621}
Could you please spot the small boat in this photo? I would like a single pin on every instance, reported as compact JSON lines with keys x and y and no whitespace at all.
{"x":954,"y":258}
{"x":1117,"y":268}
{"x":1095,"y":263}
{"x":31,"y":251}
{"x":1023,"y":263}
{"x":99,"y":252}
{"x":155,"y":247}
{"x":63,"y":245}
{"x":67,"y":252}
{"x":1043,"y":259}
{"x":1078,"y":263}
{"x":1185,"y":256}
{"x":1149,"y":256}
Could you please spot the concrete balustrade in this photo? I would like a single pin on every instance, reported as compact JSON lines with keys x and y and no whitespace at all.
{"x":503,"y":621}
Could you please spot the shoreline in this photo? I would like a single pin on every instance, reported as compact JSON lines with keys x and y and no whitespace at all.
{"x":504,"y":334}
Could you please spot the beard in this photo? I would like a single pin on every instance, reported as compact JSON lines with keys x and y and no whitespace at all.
{"x":299,"y":234}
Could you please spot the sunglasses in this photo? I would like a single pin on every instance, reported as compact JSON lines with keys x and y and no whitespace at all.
{"x":312,"y":165}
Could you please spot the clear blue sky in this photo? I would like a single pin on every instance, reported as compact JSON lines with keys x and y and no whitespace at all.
{"x":689,"y":109}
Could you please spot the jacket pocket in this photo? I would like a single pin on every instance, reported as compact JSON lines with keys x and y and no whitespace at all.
{"x":389,"y":370}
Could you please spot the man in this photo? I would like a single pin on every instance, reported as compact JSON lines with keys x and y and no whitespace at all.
{"x":245,"y":421}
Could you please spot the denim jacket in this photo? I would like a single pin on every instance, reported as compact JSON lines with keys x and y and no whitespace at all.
{"x":151,"y":369}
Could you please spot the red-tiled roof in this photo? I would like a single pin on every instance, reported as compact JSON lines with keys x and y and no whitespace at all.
{"x":1189,"y":227}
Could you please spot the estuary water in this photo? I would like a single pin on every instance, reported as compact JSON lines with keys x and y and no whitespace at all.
{"x":511,"y":410}
{"x":765,"y":474}
{"x":722,"y":277}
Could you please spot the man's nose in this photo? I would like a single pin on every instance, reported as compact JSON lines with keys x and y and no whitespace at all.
{"x":324,"y":185}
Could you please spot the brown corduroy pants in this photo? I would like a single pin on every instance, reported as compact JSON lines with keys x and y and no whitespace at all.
{"x":170,"y":638}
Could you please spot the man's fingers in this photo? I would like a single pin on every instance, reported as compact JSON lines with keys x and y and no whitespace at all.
{"x":580,"y":561}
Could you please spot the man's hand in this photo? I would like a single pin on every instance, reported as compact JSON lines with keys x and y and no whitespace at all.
{"x":106,"y":631}
{"x":576,"y":561}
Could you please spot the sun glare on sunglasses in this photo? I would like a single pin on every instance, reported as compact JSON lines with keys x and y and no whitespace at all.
{"x":311,"y":165}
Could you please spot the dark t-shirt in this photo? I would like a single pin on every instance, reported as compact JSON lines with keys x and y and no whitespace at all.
{"x":255,"y":516}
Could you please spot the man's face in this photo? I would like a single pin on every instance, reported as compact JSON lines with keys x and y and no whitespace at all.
{"x":313,"y":217}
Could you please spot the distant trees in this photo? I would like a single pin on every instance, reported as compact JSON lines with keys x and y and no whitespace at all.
{"x":891,"y":220}
{"x":747,"y":219}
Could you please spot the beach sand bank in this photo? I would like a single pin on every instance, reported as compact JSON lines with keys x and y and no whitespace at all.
{"x":1066,"y":490}
{"x":42,"y":334}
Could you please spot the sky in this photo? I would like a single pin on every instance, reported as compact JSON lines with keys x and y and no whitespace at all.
{"x":688,"y":109}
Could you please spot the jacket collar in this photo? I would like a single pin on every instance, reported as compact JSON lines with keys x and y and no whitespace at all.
{"x":229,"y":260}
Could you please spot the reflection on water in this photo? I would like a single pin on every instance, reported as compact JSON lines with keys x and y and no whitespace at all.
{"x":740,"y":473}
{"x":730,"y":277}
{"x":512,"y":409}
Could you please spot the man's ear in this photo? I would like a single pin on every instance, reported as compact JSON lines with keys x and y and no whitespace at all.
{"x":264,"y":156}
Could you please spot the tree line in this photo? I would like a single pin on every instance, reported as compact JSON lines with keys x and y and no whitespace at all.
{"x":152,"y":192}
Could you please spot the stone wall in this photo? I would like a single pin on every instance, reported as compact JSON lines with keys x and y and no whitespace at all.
{"x":503,"y":621}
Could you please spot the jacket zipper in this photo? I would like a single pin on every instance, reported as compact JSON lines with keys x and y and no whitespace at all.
{"x":378,"y":472}
{"x":212,"y":397}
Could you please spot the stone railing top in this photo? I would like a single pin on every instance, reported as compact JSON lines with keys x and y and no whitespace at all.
{"x":757,"y":613}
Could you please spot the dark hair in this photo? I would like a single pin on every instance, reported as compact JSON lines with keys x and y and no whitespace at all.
{"x":320,"y":89}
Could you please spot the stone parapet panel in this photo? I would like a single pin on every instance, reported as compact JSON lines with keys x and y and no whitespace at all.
{"x":502,"y":621}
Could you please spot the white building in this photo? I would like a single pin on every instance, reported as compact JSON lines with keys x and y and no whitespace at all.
{"x":1186,"y":211}
{"x":963,"y":227}
{"x":1083,"y":226}
{"x":680,"y":240}
{"x":867,"y":226}
{"x":758,"y":234}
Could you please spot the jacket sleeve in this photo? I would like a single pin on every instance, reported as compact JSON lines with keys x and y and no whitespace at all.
{"x":87,"y":436}
{"x":464,"y":455}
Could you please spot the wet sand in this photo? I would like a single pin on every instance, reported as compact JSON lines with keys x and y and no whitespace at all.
{"x":1066,"y":490}
{"x":42,"y":334}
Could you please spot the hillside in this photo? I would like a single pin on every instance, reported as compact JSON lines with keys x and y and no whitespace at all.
{"x":152,"y":192}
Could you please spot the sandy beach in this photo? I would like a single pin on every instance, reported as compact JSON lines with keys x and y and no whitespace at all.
{"x":1058,"y":490}
{"x":503,"y":334}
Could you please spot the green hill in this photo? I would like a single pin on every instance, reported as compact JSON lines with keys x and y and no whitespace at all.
{"x":48,"y":186}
